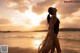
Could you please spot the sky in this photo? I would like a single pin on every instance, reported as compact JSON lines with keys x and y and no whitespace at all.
{"x":26,"y":15}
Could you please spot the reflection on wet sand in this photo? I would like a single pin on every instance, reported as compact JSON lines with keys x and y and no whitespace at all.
{"x":36,"y":43}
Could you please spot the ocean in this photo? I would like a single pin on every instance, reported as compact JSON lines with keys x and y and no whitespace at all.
{"x":28,"y":42}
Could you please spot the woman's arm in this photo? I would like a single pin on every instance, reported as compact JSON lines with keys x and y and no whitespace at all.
{"x":52,"y":23}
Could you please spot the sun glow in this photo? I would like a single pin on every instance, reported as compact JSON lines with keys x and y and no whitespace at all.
{"x":29,"y":19}
{"x":58,"y":15}
{"x":33,"y":17}
{"x":36,"y":43}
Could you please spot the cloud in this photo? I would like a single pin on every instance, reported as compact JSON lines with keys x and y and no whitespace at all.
{"x":43,"y":6}
{"x":21,"y":8}
{"x":21,"y":5}
{"x":38,"y":6}
{"x":4,"y":21}
{"x":70,"y":23}
{"x":43,"y":25}
{"x":66,"y":9}
{"x":44,"y":22}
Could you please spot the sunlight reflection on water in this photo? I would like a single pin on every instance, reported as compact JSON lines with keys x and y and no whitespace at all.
{"x":67,"y":39}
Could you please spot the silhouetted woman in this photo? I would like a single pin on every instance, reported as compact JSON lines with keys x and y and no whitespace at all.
{"x":51,"y":41}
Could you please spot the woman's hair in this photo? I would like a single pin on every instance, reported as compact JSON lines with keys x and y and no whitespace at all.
{"x":51,"y":10}
{"x":48,"y":18}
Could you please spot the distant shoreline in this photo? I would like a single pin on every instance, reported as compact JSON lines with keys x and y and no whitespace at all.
{"x":61,"y":29}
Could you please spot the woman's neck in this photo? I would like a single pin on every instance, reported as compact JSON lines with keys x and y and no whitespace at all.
{"x":54,"y":15}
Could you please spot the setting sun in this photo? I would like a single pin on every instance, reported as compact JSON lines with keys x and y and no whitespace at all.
{"x":34,"y":18}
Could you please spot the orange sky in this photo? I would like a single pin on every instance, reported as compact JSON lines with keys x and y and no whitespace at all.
{"x":31,"y":14}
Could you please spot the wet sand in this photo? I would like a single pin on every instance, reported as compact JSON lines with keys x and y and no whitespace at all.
{"x":29,"y":50}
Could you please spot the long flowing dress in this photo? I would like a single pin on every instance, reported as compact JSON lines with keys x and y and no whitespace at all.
{"x":47,"y":43}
